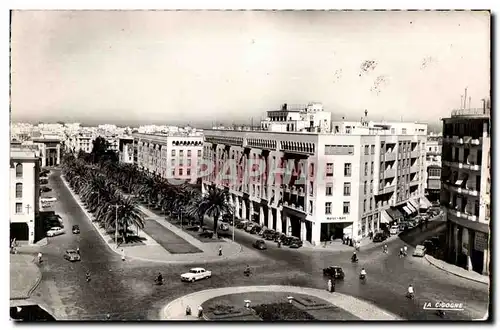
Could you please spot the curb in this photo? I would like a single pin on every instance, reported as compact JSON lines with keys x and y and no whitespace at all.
{"x":140,"y":258}
{"x":453,"y":273}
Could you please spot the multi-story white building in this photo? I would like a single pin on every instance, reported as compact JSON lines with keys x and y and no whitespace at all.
{"x":80,"y":141}
{"x":466,"y":187}
{"x":171,"y":156}
{"x":346,"y":182}
{"x":126,"y":150}
{"x":50,"y":150}
{"x":24,"y":194}
{"x":433,"y":159}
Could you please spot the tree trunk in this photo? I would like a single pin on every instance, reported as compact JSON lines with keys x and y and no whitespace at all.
{"x":216,"y":220}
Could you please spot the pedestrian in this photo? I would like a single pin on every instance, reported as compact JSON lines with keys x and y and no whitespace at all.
{"x":200,"y":312}
{"x":123,"y":255}
{"x":220,"y":251}
{"x":329,"y":285}
{"x":108,"y":317}
{"x":188,"y":310}
{"x":333,"y":285}
{"x":331,"y":239}
{"x":78,"y":250}
{"x":401,"y":252}
{"x":40,"y":257}
{"x":405,"y":249}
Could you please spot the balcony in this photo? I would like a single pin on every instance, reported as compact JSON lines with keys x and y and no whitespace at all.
{"x":295,"y":207}
{"x":414,"y":169}
{"x":387,"y":189}
{"x":461,"y":165}
{"x":390,"y":156}
{"x":414,"y":182}
{"x":463,"y":140}
{"x":460,"y":190}
{"x":463,"y":215}
{"x":390,"y":173}
{"x":415,"y":154}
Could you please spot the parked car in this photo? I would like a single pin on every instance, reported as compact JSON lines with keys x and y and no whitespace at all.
{"x":403,"y":226}
{"x":335,"y":272}
{"x":256,"y":229}
{"x":223,"y":227}
{"x":411,"y":224}
{"x":45,"y":189}
{"x":72,"y":255}
{"x":419,"y":251}
{"x":249,"y":227}
{"x":429,"y":246}
{"x":394,"y":230}
{"x":242,"y":224}
{"x":279,"y":237}
{"x":295,"y":243}
{"x":227,"y":218}
{"x":193,"y":228}
{"x":289,"y":239}
{"x":44,"y":181}
{"x":436,"y":241}
{"x":48,"y":200}
{"x":55,"y":231}
{"x":75,"y":229}
{"x":196,"y":274}
{"x":379,"y":237}
{"x":269,"y":234}
{"x":207,"y":234}
{"x":259,"y":245}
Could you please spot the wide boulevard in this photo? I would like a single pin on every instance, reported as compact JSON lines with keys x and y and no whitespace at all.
{"x":125,"y":290}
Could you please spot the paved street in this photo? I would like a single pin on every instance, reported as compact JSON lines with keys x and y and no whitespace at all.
{"x":125,"y":290}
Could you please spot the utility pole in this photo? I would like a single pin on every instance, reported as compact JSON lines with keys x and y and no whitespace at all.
{"x":233,"y":222}
{"x":116,"y":206}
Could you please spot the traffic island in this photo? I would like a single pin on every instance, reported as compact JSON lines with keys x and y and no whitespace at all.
{"x":272,"y":306}
{"x":272,"y":303}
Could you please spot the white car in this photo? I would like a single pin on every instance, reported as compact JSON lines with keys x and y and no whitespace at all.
{"x":419,"y":251}
{"x":55,"y":231}
{"x":394,"y":230}
{"x":48,"y":200}
{"x":196,"y":274}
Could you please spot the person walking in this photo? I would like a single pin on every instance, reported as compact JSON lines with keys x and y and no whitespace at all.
{"x":329,"y":285}
{"x":78,"y":250}
{"x":331,"y":239}
{"x":220,"y":251}
{"x":123,"y":255}
{"x":200,"y":312}
{"x":39,"y":257}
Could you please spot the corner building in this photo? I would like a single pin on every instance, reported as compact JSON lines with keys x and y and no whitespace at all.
{"x":466,"y":187}
{"x":319,"y":178}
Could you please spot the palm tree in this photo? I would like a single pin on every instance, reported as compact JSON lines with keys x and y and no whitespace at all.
{"x":214,"y":204}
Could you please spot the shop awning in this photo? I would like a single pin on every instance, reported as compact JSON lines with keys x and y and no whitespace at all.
{"x":414,"y":204}
{"x":424,"y":203}
{"x":395,"y":214}
{"x":410,"y":207}
{"x":407,"y":210}
{"x":459,"y":182}
{"x":385,"y":217}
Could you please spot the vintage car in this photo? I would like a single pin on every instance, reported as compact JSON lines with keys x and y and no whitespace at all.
{"x":196,"y":274}
{"x":55,"y":231}
{"x":76,"y":229}
{"x":72,"y":255}
{"x":419,"y":251}
{"x":335,"y":272}
{"x":259,"y":245}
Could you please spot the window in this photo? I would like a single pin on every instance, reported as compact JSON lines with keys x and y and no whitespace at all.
{"x":403,"y":130}
{"x":366,"y":149}
{"x":329,"y":189}
{"x":347,"y":189}
{"x":189,"y":153}
{"x":364,"y":205}
{"x":173,"y":152}
{"x":181,"y":153}
{"x":199,"y":154}
{"x":371,"y":203}
{"x":19,"y":170}
{"x":393,"y":131}
{"x":172,"y":162}
{"x":373,"y":149}
{"x":371,"y":187}
{"x":329,"y":169}
{"x":311,"y":188}
{"x":371,"y":168}
{"x":181,"y":172}
{"x":19,"y":190}
{"x":366,"y":168}
{"x":347,"y":207}
{"x":310,"y":207}
{"x":173,"y":172}
{"x":328,"y":208}
{"x":189,"y":162}
{"x":347,"y":169}
{"x":181,"y":162}
{"x":19,"y":208}
{"x":365,"y":187}
{"x":188,"y":171}
{"x":311,"y":170}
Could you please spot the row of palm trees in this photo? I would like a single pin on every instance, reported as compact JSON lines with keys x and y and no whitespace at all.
{"x":112,"y":192}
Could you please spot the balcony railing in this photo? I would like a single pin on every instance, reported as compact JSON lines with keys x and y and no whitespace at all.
{"x":463,"y":215}
{"x":415,"y":154}
{"x":390,"y":156}
{"x":295,"y":207}
{"x":414,"y":169}
{"x":461,"y":165}
{"x":386,"y":189}
{"x":414,"y":182}
{"x":460,"y":190}
{"x":390,"y":173}
{"x":472,"y":112}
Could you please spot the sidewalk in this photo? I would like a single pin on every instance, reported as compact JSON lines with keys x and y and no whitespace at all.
{"x":457,"y":271}
{"x":24,"y":276}
{"x":153,"y":252}
{"x":176,"y":309}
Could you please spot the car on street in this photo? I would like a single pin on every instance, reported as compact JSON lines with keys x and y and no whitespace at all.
{"x":195,"y":274}
{"x":45,"y":189}
{"x":75,"y":229}
{"x":242,"y":224}
{"x":394,"y":230}
{"x":411,"y":224}
{"x":335,"y":272}
{"x":223,"y":227}
{"x":289,"y":239}
{"x":249,"y":227}
{"x":419,"y":251}
{"x":256,"y":229}
{"x":379,"y":237}
{"x":72,"y":255}
{"x":295,"y":243}
{"x":260,"y":245}
{"x":44,"y":181}
{"x":429,"y":246}
{"x":207,"y":234}
{"x":268,"y":234}
{"x":55,"y":231}
{"x":279,"y":237}
{"x":403,"y":226}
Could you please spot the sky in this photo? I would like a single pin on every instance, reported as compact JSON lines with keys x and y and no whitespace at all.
{"x":180,"y":67}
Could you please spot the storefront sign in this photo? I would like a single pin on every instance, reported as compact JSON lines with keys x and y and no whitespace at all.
{"x":480,"y":241}
{"x":335,"y":218}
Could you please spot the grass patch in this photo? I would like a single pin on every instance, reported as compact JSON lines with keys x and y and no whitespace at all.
{"x":167,"y":239}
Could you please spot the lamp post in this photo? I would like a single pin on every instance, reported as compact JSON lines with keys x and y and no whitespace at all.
{"x":116,"y":206}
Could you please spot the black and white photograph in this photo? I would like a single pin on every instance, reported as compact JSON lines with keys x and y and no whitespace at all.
{"x":250,"y":165}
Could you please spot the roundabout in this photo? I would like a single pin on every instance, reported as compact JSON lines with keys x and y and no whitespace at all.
{"x":272,"y":303}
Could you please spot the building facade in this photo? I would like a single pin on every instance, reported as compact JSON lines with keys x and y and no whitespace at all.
{"x":170,"y":156}
{"x":433,"y":159}
{"x":466,"y":187}
{"x":126,"y":150}
{"x":24,"y":194}
{"x":316,"y":185}
{"x":50,"y":150}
